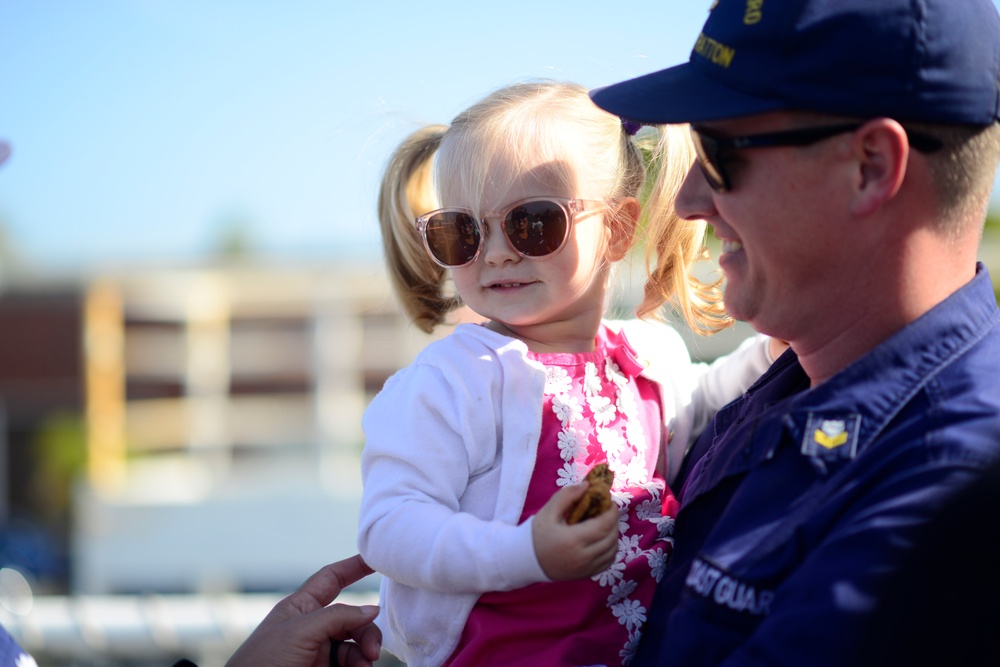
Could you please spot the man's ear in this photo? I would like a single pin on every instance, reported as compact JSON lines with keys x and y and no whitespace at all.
{"x":622,"y":221}
{"x":881,"y":149}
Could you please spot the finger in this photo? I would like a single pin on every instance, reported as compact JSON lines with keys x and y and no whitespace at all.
{"x":343,"y":621}
{"x":600,"y":528}
{"x":369,"y":638}
{"x":336,"y":622}
{"x":602,"y":534}
{"x":608,"y":519}
{"x":324,"y":586}
{"x":564,"y":499}
{"x":326,"y":655}
{"x":610,"y":539}
{"x":352,"y":655}
{"x":604,"y":550}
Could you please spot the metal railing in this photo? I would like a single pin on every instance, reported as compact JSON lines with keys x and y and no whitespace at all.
{"x":139,"y":629}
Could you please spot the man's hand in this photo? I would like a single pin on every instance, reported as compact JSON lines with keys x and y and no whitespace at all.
{"x":301,"y":629}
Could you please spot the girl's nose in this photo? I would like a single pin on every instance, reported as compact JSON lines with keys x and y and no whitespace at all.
{"x":496,"y":249}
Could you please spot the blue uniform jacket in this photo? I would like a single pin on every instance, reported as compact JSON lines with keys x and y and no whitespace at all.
{"x":802,"y":503}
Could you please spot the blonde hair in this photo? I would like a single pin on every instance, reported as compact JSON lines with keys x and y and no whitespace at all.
{"x":407,"y":192}
{"x":525,"y":122}
{"x":674,"y":245}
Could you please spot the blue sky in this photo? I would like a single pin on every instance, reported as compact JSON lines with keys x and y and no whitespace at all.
{"x":142,"y":129}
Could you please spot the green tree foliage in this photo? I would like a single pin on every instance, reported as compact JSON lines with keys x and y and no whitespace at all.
{"x":62,"y":457}
{"x":991,"y":246}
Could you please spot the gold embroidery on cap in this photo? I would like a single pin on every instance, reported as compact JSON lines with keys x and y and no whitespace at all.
{"x":754,"y":12}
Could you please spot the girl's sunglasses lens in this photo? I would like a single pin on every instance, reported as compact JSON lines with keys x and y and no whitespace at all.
{"x":453,"y":238}
{"x":536,"y":228}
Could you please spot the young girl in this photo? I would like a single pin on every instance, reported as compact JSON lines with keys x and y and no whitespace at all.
{"x":475,"y":453}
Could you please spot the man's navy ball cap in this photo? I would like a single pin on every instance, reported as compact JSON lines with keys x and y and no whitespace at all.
{"x":932,"y":61}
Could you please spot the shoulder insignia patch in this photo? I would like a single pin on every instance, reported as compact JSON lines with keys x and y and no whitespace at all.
{"x":831,"y":437}
{"x":831,"y":433}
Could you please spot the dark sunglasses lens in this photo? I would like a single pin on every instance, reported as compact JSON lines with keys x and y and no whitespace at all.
{"x":710,"y":161}
{"x":453,"y":237}
{"x":536,"y":228}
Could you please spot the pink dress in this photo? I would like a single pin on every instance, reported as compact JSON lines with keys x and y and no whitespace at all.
{"x":596,"y":409}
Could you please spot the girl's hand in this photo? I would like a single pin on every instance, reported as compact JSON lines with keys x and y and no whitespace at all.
{"x":578,"y":551}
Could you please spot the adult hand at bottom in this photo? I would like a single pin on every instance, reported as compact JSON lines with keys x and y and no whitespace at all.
{"x":301,"y":629}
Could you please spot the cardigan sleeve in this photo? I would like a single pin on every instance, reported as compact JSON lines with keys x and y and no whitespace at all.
{"x":705,"y":388}
{"x":725,"y":379}
{"x":430,"y":468}
{"x":693,"y":391}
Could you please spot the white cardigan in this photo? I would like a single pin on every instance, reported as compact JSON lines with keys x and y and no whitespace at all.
{"x":450,"y":448}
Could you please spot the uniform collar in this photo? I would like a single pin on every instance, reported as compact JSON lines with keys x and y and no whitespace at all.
{"x":868,"y":394}
{"x":836,"y":421}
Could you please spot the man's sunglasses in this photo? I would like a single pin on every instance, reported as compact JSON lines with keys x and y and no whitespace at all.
{"x":715,"y":152}
{"x":533,"y":227}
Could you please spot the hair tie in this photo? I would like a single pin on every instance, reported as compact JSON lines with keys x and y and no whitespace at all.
{"x":630,"y":126}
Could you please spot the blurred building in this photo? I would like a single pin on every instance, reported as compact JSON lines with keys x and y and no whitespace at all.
{"x":175,"y":441}
{"x":215,"y":413}
{"x":223,"y":411}
{"x":41,"y":390}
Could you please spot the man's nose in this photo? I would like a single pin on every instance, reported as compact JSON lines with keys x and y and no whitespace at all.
{"x":694,"y":199}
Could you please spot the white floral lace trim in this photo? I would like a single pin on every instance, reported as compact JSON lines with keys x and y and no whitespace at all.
{"x":629,"y":466}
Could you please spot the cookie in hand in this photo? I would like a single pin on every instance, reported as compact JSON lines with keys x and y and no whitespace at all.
{"x":597,"y":498}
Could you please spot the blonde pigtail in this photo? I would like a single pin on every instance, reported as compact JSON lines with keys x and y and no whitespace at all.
{"x":674,"y":245}
{"x":406,"y":192}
